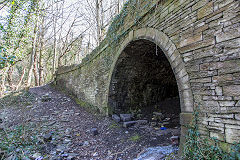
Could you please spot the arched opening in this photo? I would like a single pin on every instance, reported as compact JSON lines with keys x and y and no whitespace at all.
{"x":143,"y":83}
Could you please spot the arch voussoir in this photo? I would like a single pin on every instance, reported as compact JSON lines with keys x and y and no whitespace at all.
{"x":176,"y":62}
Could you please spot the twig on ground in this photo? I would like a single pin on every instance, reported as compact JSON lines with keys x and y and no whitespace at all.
{"x":115,"y":154}
{"x":141,"y":153}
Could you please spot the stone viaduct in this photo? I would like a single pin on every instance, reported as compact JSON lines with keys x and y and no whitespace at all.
{"x":161,"y":49}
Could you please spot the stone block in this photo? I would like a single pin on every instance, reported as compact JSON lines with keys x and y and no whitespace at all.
{"x":219,"y":136}
{"x":227,"y":103}
{"x":216,"y":129}
{"x":211,"y":104}
{"x":116,"y":118}
{"x":161,"y":39}
{"x":201,"y":29}
{"x":131,"y":35}
{"x":190,"y":40}
{"x":181,"y":73}
{"x":197,"y":45}
{"x":199,"y":4}
{"x":203,"y":52}
{"x":228,"y":121}
{"x":151,"y":33}
{"x":129,"y":124}
{"x":231,"y":66}
{"x":230,"y":109}
{"x":229,"y":115}
{"x":172,"y":50}
{"x":214,"y":17}
{"x":223,"y":78}
{"x":186,"y":118}
{"x":126,"y":117}
{"x":236,"y":98}
{"x":237,"y":116}
{"x":238,"y":104}
{"x":218,"y":91}
{"x":232,"y":126}
{"x":230,"y":34}
{"x":140,"y":33}
{"x":232,"y":90}
{"x":202,"y":80}
{"x":187,"y":104}
{"x":205,"y":10}
{"x":232,"y":135}
{"x":183,"y":83}
{"x":211,"y":66}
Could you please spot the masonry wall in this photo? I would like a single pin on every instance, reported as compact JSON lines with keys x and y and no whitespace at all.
{"x":207,"y":34}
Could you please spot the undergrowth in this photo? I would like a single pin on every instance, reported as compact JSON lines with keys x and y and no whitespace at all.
{"x":18,"y":142}
{"x":18,"y":99}
{"x":201,"y":148}
{"x":114,"y":125}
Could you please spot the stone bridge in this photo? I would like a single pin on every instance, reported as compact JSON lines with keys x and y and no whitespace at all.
{"x":183,"y":51}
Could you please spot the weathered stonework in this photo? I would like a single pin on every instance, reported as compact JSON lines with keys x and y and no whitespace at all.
{"x":201,"y":41}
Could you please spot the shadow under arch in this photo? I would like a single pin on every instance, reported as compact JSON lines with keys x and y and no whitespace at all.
{"x":173,"y":56}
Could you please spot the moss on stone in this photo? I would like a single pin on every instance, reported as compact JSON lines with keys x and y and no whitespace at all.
{"x":88,"y":106}
{"x":226,"y":147}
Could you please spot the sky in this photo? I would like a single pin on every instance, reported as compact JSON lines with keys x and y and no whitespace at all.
{"x":85,"y":13}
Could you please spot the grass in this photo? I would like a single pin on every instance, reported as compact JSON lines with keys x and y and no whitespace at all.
{"x":114,"y":125}
{"x":18,"y":99}
{"x":135,"y":138}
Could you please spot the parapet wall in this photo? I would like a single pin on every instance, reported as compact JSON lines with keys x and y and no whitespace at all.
{"x":201,"y":40}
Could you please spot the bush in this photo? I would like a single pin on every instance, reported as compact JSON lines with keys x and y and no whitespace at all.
{"x":198,"y":147}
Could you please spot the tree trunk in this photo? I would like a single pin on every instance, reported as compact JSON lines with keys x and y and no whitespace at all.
{"x":21,"y":79}
{"x":118,"y":6}
{"x":34,"y":41}
{"x":40,"y":52}
{"x":35,"y":68}
{"x":98,"y":22}
{"x":40,"y":65}
{"x":9,"y":77}
{"x":54,"y":46}
{"x":3,"y":76}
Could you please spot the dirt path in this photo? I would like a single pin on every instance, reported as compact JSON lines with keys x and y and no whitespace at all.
{"x":57,"y":117}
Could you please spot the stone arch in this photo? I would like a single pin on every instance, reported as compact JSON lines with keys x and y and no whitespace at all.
{"x":178,"y":67}
{"x":173,"y":56}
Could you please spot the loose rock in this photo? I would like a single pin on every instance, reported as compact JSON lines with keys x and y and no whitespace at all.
{"x":142,"y":122}
{"x":72,"y":156}
{"x":116,"y":118}
{"x":175,"y":140}
{"x":65,"y":155}
{"x":36,"y":155}
{"x":126,"y":117}
{"x":46,"y":98}
{"x":95,"y":154}
{"x":47,"y":137}
{"x":94,"y":131}
{"x":61,"y":148}
{"x":85,"y":143}
{"x":129,"y":123}
{"x":1,"y":127}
